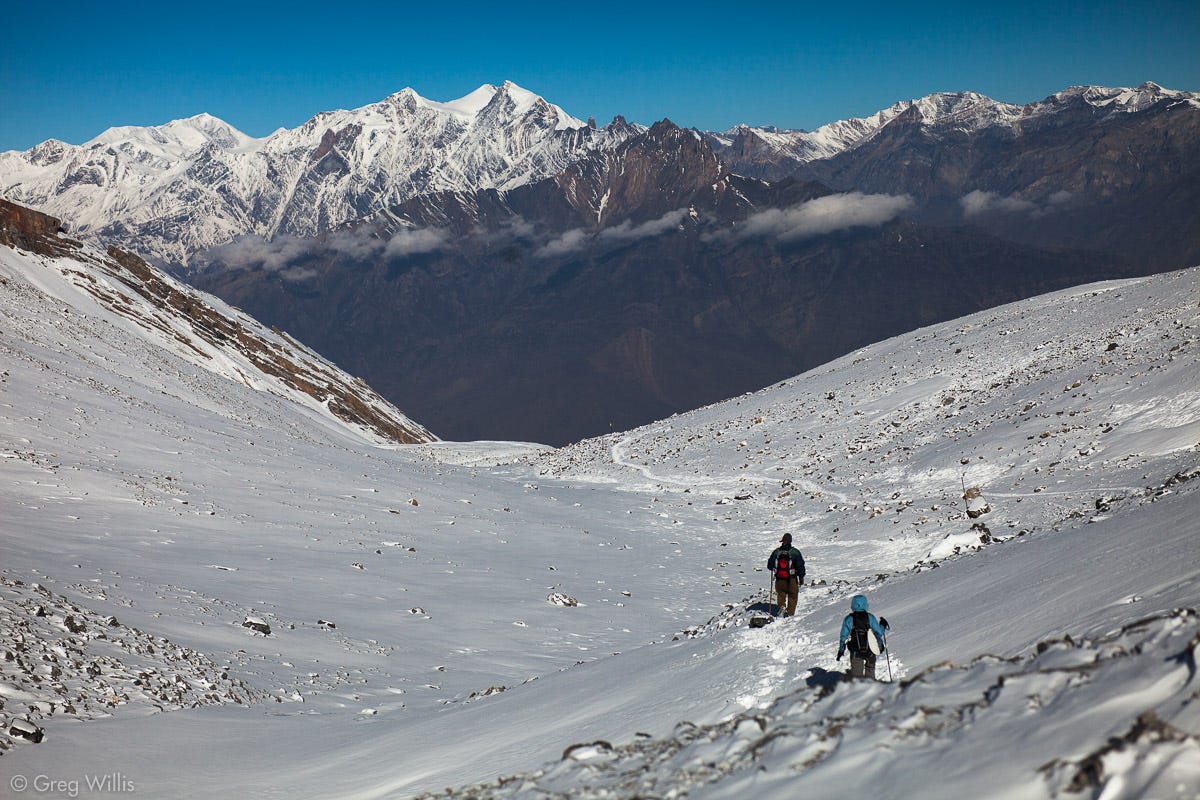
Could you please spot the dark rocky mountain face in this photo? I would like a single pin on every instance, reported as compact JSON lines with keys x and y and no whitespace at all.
{"x":637,"y":283}
{"x":1065,"y":172}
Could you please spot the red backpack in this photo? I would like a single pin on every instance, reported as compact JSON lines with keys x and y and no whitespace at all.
{"x":783,"y":566}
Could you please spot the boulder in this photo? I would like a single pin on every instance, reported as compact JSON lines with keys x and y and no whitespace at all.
{"x":26,"y":730}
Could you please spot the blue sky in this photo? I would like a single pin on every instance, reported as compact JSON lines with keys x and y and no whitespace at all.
{"x":69,"y":70}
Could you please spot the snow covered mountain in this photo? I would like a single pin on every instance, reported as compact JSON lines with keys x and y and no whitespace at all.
{"x":209,"y":589}
{"x":171,"y":190}
{"x":1094,"y":168}
{"x":757,"y":150}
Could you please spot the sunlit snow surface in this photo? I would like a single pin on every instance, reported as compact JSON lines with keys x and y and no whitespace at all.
{"x":416,"y":642}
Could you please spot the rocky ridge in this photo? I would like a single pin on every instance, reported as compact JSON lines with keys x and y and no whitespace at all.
{"x":203,"y":329}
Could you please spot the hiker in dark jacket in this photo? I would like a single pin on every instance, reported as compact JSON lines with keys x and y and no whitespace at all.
{"x":858,"y":628}
{"x":787,"y":564}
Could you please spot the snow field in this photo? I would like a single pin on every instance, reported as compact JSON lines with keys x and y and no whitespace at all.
{"x":415,"y":640}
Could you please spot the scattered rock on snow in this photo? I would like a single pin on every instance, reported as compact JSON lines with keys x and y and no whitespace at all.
{"x":257,"y":625}
{"x":26,"y":730}
{"x":94,"y":666}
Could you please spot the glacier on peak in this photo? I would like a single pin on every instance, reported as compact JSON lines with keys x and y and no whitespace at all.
{"x":466,"y":107}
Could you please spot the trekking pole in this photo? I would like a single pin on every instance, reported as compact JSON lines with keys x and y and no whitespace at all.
{"x":883,"y":623}
{"x":771,"y":595}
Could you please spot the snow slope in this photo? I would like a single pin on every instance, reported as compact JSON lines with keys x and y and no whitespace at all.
{"x":420,"y":598}
{"x":122,"y":292}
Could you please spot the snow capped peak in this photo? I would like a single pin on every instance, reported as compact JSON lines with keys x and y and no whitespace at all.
{"x":180,"y":136}
{"x":463,"y":109}
{"x":1118,"y":100}
{"x":509,"y":100}
{"x":940,"y":105}
{"x":524,"y":98}
{"x":210,"y":128}
{"x":474,"y":102}
{"x":203,"y":122}
{"x":524,"y":101}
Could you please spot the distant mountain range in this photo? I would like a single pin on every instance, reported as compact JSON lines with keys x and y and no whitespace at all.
{"x":500,"y":269}
{"x":171,"y":190}
{"x":1088,"y":167}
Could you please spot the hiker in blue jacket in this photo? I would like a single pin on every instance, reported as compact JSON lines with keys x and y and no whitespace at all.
{"x":857,"y":629}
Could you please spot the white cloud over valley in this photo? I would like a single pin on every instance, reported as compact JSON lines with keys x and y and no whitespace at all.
{"x":285,"y":254}
{"x":578,"y":238}
{"x":824,"y":215}
{"x":978,"y":203}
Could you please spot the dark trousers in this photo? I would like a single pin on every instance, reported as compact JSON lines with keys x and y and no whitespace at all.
{"x":862,"y":665}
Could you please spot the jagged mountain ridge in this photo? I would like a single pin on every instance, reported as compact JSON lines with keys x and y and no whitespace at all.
{"x":658,"y":171}
{"x":181,"y":320}
{"x":171,"y":190}
{"x":754,"y":150}
{"x":1088,"y":167}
